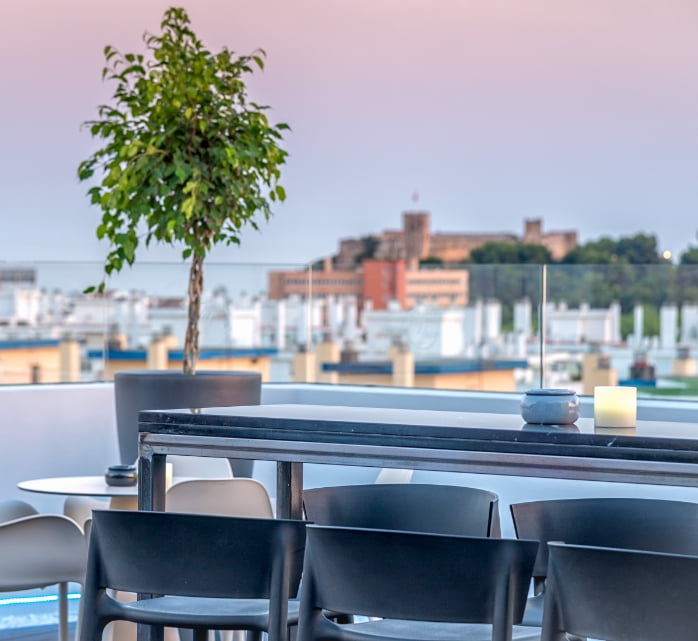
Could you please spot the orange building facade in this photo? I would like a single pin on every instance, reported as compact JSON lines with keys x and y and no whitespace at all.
{"x":384,"y":281}
{"x":378,"y":281}
{"x":313,"y":282}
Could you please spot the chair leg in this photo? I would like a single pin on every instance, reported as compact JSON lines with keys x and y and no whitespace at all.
{"x":62,"y":612}
{"x":200,"y":634}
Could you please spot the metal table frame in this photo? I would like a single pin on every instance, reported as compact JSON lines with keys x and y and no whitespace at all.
{"x":293,"y":435}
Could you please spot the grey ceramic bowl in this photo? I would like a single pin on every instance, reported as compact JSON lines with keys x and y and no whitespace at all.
{"x":121,"y":475}
{"x":550,"y":406}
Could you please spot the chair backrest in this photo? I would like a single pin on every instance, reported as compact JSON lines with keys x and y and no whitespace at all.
{"x":41,"y":550}
{"x":224,"y":497}
{"x":79,"y":508}
{"x":440,"y":509}
{"x":11,"y":509}
{"x":640,"y":524}
{"x":202,"y":467}
{"x":394,"y":475}
{"x":194,"y":554}
{"x":620,"y":595}
{"x":416,"y":576}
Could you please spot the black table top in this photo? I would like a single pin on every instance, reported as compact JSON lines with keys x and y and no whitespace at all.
{"x":669,"y":442}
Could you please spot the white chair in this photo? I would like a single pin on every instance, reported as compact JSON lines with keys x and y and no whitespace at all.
{"x":11,"y":509}
{"x":202,"y":467}
{"x":39,"y":550}
{"x":223,"y":497}
{"x":79,"y":508}
{"x":394,"y":475}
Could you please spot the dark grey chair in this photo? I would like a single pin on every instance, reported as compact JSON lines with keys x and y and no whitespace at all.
{"x":619,"y":595}
{"x":641,"y":524}
{"x":440,"y":509}
{"x":425,"y":587}
{"x":209,"y":572}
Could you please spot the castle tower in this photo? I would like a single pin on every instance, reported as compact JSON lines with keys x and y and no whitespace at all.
{"x":416,"y":234}
{"x":533,"y":231}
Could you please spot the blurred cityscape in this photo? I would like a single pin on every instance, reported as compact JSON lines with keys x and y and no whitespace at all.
{"x":406,"y":307}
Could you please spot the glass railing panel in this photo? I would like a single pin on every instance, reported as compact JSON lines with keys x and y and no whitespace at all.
{"x":376,"y":325}
{"x":244,"y":324}
{"x":622,"y":324}
{"x":51,"y":331}
{"x":462,"y":327}
{"x":513,"y":332}
{"x":47,"y":323}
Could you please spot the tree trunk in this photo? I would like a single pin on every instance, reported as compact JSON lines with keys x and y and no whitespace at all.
{"x":196,"y":288}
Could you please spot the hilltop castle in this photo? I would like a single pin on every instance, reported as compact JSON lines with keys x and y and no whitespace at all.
{"x":415,"y":242}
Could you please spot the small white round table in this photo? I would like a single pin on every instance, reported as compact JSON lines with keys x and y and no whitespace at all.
{"x":123,"y":497}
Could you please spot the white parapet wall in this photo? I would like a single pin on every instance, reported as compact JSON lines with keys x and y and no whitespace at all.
{"x":649,"y":409}
{"x":69,"y":430}
{"x":54,"y":430}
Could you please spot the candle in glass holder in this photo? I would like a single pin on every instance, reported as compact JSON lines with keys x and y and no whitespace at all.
{"x":169,"y":473}
{"x":615,"y":406}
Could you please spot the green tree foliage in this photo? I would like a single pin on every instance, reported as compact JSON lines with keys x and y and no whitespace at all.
{"x":431,"y":261}
{"x":687,"y":282}
{"x":507,"y":272}
{"x":600,"y":285}
{"x":640,"y":249}
{"x":687,"y":275}
{"x":510,"y":253}
{"x":628,"y":270}
{"x":650,"y":323}
{"x":689,"y":257}
{"x":507,"y":284}
{"x":369,"y":247}
{"x":187,"y":159}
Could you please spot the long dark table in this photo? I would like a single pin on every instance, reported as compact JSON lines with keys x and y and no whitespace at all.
{"x":663,"y":453}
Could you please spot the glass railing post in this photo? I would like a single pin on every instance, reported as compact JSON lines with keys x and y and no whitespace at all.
{"x":542,"y":319}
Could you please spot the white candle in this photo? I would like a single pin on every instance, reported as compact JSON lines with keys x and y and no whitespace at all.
{"x":169,"y":472}
{"x":615,"y":406}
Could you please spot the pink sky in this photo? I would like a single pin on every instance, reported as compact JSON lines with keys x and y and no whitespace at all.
{"x":582,"y":112}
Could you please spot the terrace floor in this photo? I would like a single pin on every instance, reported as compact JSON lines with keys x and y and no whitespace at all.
{"x":35,"y":633}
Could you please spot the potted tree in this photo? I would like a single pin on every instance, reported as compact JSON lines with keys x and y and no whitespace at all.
{"x":187,"y":160}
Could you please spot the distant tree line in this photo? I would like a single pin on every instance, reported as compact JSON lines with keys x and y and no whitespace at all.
{"x":629,"y":270}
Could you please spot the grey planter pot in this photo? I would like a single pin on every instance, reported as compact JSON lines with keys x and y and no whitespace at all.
{"x":168,"y":389}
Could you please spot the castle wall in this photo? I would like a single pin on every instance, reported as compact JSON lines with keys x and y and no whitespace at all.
{"x":559,"y":243}
{"x":415,"y":242}
{"x":349,"y":249}
{"x":457,"y":247}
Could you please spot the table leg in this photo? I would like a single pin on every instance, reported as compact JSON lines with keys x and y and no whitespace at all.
{"x":151,"y":496}
{"x":151,"y":481}
{"x":63,"y":612}
{"x":289,"y":490}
